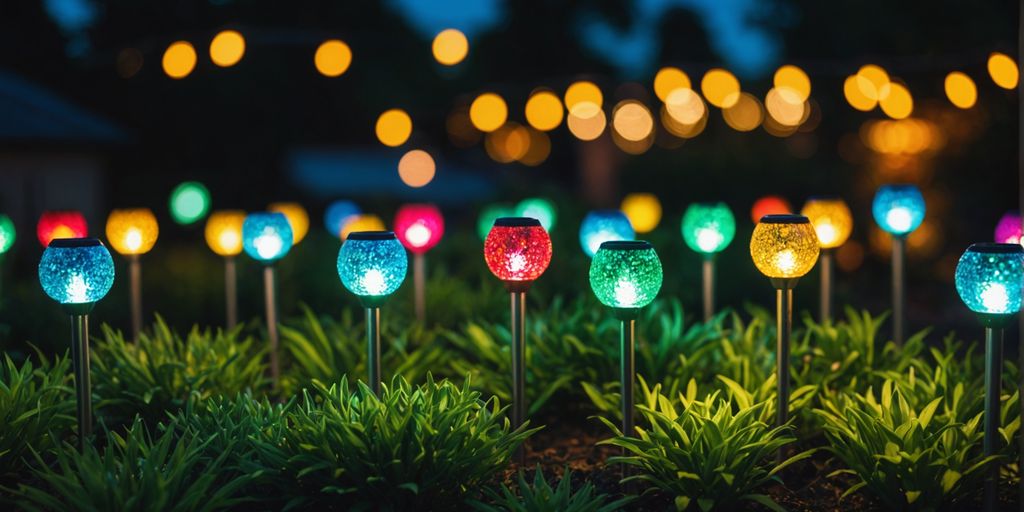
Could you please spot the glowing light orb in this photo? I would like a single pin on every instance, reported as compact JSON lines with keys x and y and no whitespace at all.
{"x":132,"y":231}
{"x":600,"y":226}
{"x":538,"y":208}
{"x":708,"y":227}
{"x":60,"y":224}
{"x":831,"y":219}
{"x":224,"y":232}
{"x":76,"y":270}
{"x":784,"y":246}
{"x":517,"y":249}
{"x":626,"y":274}
{"x":989,"y":276}
{"x":898,"y":209}
{"x":266,"y":236}
{"x":372,"y":264}
{"x":419,"y":227}
{"x":190,"y":201}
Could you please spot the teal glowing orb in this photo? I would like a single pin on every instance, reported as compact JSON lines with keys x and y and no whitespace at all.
{"x":372,"y":264}
{"x":600,"y":226}
{"x":76,"y":270}
{"x":898,"y":209}
{"x":7,"y":233}
{"x":190,"y":202}
{"x":540,"y":209}
{"x":708,"y":227}
{"x":491,"y":213}
{"x":989,"y":278}
{"x":626,"y":275}
{"x":266,"y":236}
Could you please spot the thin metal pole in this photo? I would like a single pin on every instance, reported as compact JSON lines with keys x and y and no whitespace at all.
{"x":993,"y":377}
{"x":271,"y":304}
{"x":373,"y":348}
{"x":709,"y":287}
{"x":784,"y":328}
{"x":898,"y":288}
{"x":135,"y":269}
{"x":419,"y":281}
{"x":628,"y":378}
{"x":231,"y":291}
{"x":83,"y":390}
{"x":519,"y":366}
{"x":1020,"y":207}
{"x":826,"y":285}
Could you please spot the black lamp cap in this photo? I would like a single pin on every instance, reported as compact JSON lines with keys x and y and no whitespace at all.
{"x":626,"y":245}
{"x":75,"y":242}
{"x":786,"y":218}
{"x":371,"y":235}
{"x":994,"y":248}
{"x":516,"y":222}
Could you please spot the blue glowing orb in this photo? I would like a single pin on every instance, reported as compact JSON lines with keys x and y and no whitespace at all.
{"x":372,"y":264}
{"x":338,"y":213}
{"x":600,"y":226}
{"x":76,"y":270}
{"x":898,"y":209}
{"x":266,"y":236}
{"x":989,"y":278}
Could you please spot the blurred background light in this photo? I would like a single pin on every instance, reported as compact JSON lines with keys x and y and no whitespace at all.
{"x":179,"y":59}
{"x":489,"y":214}
{"x":896,"y":101}
{"x":720,"y":87}
{"x":745,"y":115}
{"x":362,"y":222}
{"x":600,"y":226}
{"x":769,"y":205}
{"x":416,"y":168}
{"x":224,"y":232}
{"x":538,"y":208}
{"x":332,"y":58}
{"x":60,"y":224}
{"x":132,"y":230}
{"x":643,"y":211}
{"x":632,"y":120}
{"x":7,"y":234}
{"x":393,"y":127}
{"x":488,"y":112}
{"x":669,"y":79}
{"x":297,"y":217}
{"x":544,"y":111}
{"x":337,"y":214}
{"x":960,"y":90}
{"x":266,"y":236}
{"x":793,"y":79}
{"x":580,"y":92}
{"x":227,"y":48}
{"x":190,"y":201}
{"x":450,"y":47}
{"x":586,"y":121}
{"x":1008,"y":229}
{"x":1003,"y":70}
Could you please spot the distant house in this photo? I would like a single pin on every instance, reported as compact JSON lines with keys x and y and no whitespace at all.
{"x":51,"y":155}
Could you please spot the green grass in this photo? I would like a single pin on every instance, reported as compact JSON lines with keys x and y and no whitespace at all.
{"x":539,"y":496}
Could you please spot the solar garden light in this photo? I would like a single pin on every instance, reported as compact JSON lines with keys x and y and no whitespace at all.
{"x":77,"y":272}
{"x":600,"y":226}
{"x":132,"y":233}
{"x":833,"y":224}
{"x":784,"y":248}
{"x":338,"y":214}
{"x":419,"y":227}
{"x":1008,"y":230}
{"x":7,"y":235}
{"x":899,"y":210}
{"x":626,"y":276}
{"x":372,"y":265}
{"x":60,"y":224}
{"x":297,"y":217}
{"x":267,"y":237}
{"x":708,"y":228}
{"x":224,"y":236}
{"x":518,"y":251}
{"x":988,"y":279}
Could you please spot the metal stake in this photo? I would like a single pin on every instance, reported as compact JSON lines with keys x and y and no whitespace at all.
{"x":628,"y":378}
{"x":135,"y":269}
{"x":231,"y":291}
{"x":898,"y":298}
{"x":993,"y":377}
{"x":83,"y":390}
{"x":709,"y":287}
{"x":826,"y":286}
{"x":271,"y":305}
{"x":519,"y":365}
{"x":373,"y":347}
{"x":784,"y":327}
{"x":419,"y":281}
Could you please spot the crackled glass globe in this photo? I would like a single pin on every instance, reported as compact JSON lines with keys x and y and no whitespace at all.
{"x":266,"y":236}
{"x":831,"y":219}
{"x":600,"y":226}
{"x":784,"y":246}
{"x":708,"y":227}
{"x":517,"y":249}
{"x":76,"y":270}
{"x":372,"y":263}
{"x":132,"y":231}
{"x":626,"y":274}
{"x":224,"y":232}
{"x":898,"y":209}
{"x":419,"y":227}
{"x":989,"y":278}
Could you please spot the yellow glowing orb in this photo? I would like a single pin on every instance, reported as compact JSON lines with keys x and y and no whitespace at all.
{"x":488,"y":112}
{"x":297,"y":217}
{"x":785,"y":106}
{"x":784,"y":248}
{"x":745,"y":115}
{"x":179,"y":59}
{"x":450,"y":47}
{"x":720,"y":88}
{"x":794,"y":79}
{"x":586,"y":121}
{"x":960,"y":90}
{"x":394,"y":127}
{"x":632,"y":121}
{"x":1003,"y":70}
{"x":583,"y":92}
{"x":855,"y":97}
{"x":132,"y":231}
{"x":870,"y":80}
{"x":224,"y":232}
{"x":227,"y":48}
{"x":685,"y":106}
{"x":896,"y":101}
{"x":365,"y":222}
{"x":416,"y":168}
{"x":332,"y":58}
{"x":669,"y":79}
{"x":643,"y":211}
{"x":831,"y":219}
{"x":544,"y":111}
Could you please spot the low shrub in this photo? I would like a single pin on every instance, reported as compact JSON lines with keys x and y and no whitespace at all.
{"x":158,"y":374}
{"x":37,"y":411}
{"x":539,"y":496}
{"x":712,"y":454}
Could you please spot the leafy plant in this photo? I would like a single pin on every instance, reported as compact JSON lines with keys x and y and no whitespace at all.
{"x":161,"y":372}
{"x":909,"y":458}
{"x":411,"y":448}
{"x":712,"y":454}
{"x":135,"y":472}
{"x":37,"y":410}
{"x":539,"y":496}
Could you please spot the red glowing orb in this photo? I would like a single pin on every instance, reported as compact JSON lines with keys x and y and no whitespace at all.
{"x":61,"y":224}
{"x":769,"y":205}
{"x":517,"y":250}
{"x":419,"y":227}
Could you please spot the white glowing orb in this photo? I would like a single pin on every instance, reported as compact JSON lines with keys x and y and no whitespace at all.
{"x":826,"y":233}
{"x":516,"y":263}
{"x":374,"y":282}
{"x":785,"y":261}
{"x":133,"y":239}
{"x":899,"y":219}
{"x":418,"y":235}
{"x":709,"y":239}
{"x":626,"y":294}
{"x":995,"y":299}
{"x":77,"y":291}
{"x":229,"y":239}
{"x":268,"y":245}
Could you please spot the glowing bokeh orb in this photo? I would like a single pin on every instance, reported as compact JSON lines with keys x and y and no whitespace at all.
{"x":266,"y":236}
{"x":372,"y":264}
{"x":600,"y":226}
{"x":708,"y":228}
{"x":224,"y":232}
{"x":544,"y":111}
{"x":989,"y":276}
{"x":419,"y":227}
{"x":784,"y":246}
{"x":179,"y":59}
{"x":488,"y":112}
{"x":1008,"y":230}
{"x":898,"y":209}
{"x":643,"y":211}
{"x":450,"y":47}
{"x":190,"y":201}
{"x":626,"y":274}
{"x":297,"y":217}
{"x":1003,"y":70}
{"x":60,"y":224}
{"x":831,"y":219}
{"x":489,"y":214}
{"x":416,"y":168}
{"x":332,"y":58}
{"x":76,"y":270}
{"x":227,"y":48}
{"x":338,"y":213}
{"x":362,"y":222}
{"x":517,"y":249}
{"x":769,"y":205}
{"x":393,"y":127}
{"x":7,"y":233}
{"x":538,"y":208}
{"x":132,"y":231}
